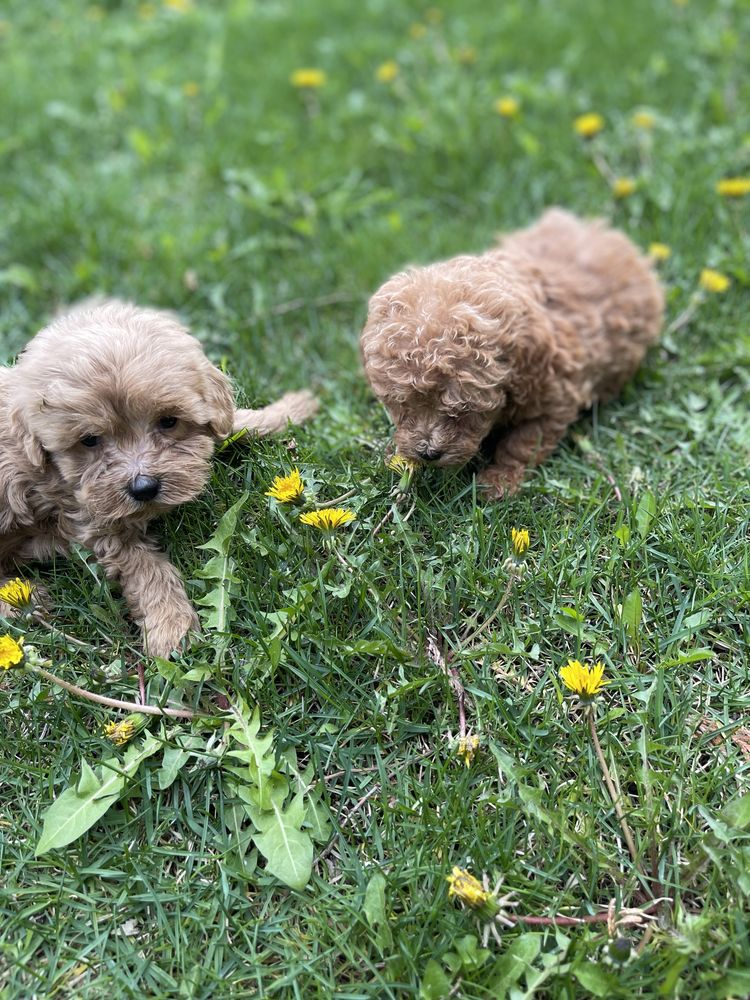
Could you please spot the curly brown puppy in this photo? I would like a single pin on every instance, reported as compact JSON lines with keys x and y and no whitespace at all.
{"x":109,"y":418}
{"x":516,"y":341}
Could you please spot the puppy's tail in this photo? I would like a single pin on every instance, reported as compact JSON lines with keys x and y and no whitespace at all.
{"x":292,"y":408}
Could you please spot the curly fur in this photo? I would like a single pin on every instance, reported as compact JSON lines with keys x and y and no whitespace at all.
{"x":517,"y":340}
{"x":110,"y":371}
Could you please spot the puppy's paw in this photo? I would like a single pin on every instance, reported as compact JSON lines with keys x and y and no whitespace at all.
{"x":167,"y":632}
{"x":497,"y":484}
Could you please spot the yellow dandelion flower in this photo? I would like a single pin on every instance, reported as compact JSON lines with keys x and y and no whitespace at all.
{"x":123,"y":731}
{"x":433,"y":15}
{"x":417,"y":31}
{"x":659,"y":251}
{"x":713,"y":281}
{"x":733,"y":187}
{"x":622,"y":187}
{"x":400,"y":463}
{"x":387,"y":71}
{"x":329,"y":518}
{"x":508,"y":107}
{"x":119,"y":732}
{"x":11,"y":652}
{"x":467,"y":749}
{"x":466,"y":888}
{"x":585,"y":681}
{"x":178,"y":6}
{"x":18,"y":594}
{"x":644,"y":120}
{"x":589,"y":124}
{"x":520,"y":539}
{"x":190,"y":88}
{"x":146,"y":11}
{"x":309,"y":79}
{"x":287,"y":489}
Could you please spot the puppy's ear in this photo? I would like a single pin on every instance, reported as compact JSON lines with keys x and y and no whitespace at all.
{"x":32,"y":446}
{"x":216,"y":391}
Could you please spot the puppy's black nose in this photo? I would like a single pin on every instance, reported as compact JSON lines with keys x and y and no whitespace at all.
{"x":143,"y":488}
{"x":430,"y":454}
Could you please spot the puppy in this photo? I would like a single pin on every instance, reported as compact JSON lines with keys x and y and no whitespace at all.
{"x":514,"y":343}
{"x":109,"y":418}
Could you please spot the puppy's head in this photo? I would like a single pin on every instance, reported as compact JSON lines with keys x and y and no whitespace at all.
{"x":436,"y":351}
{"x":123,"y":402}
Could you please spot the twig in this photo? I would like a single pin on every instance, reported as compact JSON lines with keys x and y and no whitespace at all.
{"x":129,"y":706}
{"x":336,"y":500}
{"x":613,"y":791}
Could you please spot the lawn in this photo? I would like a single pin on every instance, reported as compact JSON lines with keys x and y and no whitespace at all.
{"x":159,"y":151}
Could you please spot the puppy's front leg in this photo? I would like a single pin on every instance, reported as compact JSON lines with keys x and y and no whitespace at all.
{"x":153,"y":589}
{"x":523,"y":446}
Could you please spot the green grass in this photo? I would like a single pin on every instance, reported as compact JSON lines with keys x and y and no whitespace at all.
{"x":267,"y":226}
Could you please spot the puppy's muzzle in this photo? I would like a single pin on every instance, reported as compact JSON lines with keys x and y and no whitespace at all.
{"x":430,"y":454}
{"x":144,"y":488}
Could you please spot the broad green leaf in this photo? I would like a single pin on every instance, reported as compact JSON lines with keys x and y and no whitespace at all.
{"x":736,"y":813}
{"x":471,"y":955}
{"x":645,"y":513}
{"x":375,"y":911}
{"x":517,"y":960}
{"x":623,"y":534}
{"x":596,"y":979}
{"x":318,"y":821}
{"x":630,"y":614}
{"x":172,"y":762}
{"x":288,"y":850}
{"x":258,"y":753}
{"x":80,"y":806}
{"x":434,"y":985}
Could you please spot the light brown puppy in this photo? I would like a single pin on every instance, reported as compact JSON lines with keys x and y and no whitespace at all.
{"x":109,"y":418}
{"x":515,"y":342}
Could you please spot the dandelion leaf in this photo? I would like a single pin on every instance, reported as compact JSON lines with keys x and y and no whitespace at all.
{"x":736,"y":813}
{"x":596,"y":979}
{"x":172,"y":762}
{"x":77,"y":809}
{"x":434,"y":985}
{"x":514,"y":962}
{"x":216,"y":613}
{"x":257,"y":750}
{"x":375,"y":911}
{"x":630,"y":614}
{"x":221,"y":539}
{"x":287,"y":848}
{"x":645,"y":513}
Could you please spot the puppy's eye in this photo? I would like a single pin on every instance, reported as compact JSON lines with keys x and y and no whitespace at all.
{"x":167,"y":423}
{"x":90,"y":441}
